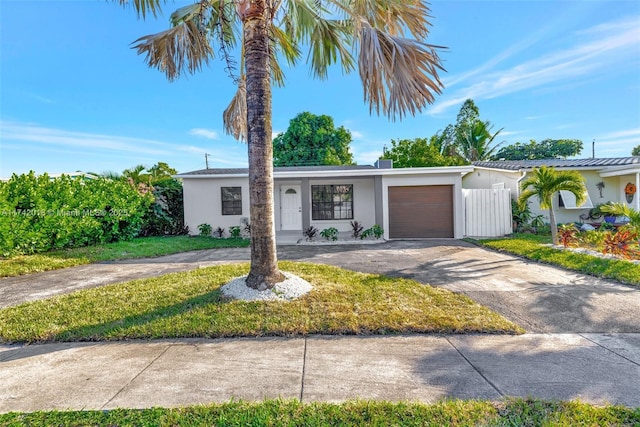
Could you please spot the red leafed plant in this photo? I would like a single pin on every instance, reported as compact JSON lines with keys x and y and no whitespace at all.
{"x":620,"y":243}
{"x":567,"y":235}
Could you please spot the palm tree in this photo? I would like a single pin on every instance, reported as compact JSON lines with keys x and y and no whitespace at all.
{"x":545,"y":182}
{"x":384,"y":38}
{"x":475,"y":139}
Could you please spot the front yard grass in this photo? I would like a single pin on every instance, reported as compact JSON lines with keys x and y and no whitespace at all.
{"x":190,"y":304}
{"x":142,"y":247}
{"x":533,"y":247}
{"x":511,"y":412}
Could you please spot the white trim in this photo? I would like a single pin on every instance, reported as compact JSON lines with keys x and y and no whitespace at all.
{"x":606,"y":173}
{"x":569,"y":200}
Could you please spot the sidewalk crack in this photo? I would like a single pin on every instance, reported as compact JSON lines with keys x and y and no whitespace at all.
{"x":137,"y":375}
{"x":610,"y":350}
{"x":304,"y":367}
{"x":491,"y":383}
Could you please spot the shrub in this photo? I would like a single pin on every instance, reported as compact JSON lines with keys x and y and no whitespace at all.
{"x":620,"y":243}
{"x":219,"y":232}
{"x":567,"y":235}
{"x":310,"y":232}
{"x":40,"y":213}
{"x":235,"y":232}
{"x":356,"y":229}
{"x":376,"y":231}
{"x":330,"y":233}
{"x":592,"y":238}
{"x":165,"y":216}
{"x":205,"y":230}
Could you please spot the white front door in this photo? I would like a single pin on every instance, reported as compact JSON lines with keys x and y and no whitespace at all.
{"x":290,"y":207}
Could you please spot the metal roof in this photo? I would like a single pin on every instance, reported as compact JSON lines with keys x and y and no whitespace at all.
{"x":515,"y":165}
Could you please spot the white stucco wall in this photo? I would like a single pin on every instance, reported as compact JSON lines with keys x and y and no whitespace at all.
{"x":363,"y":203}
{"x":486,"y":178}
{"x":454,"y":180}
{"x":203,"y":202}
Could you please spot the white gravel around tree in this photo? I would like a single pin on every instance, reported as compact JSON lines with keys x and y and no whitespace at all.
{"x":291,"y":288}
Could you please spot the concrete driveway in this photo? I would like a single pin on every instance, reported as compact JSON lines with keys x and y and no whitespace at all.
{"x":540,"y":298}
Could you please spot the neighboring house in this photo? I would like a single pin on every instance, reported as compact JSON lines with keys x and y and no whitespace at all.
{"x":606,"y":180}
{"x":407,"y":203}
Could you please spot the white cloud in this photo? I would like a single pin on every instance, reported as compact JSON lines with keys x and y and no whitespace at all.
{"x":357,"y":135}
{"x":618,"y":143}
{"x":595,"y":50}
{"x":33,"y":133}
{"x":205,"y":133}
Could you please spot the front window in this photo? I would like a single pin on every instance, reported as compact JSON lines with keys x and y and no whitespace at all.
{"x":231,"y":200}
{"x":331,"y":202}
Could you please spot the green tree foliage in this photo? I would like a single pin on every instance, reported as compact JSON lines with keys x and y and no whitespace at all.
{"x":38,"y":213}
{"x":161,"y":171}
{"x":545,"y":183}
{"x":165,"y":215}
{"x":636,"y":151}
{"x":545,"y":149}
{"x":470,"y":138}
{"x":312,"y":140}
{"x":419,"y":152}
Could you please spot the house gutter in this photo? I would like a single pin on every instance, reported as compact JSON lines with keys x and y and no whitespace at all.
{"x":523,"y":173}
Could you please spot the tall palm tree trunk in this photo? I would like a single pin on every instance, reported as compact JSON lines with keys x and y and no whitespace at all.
{"x":264,"y":273}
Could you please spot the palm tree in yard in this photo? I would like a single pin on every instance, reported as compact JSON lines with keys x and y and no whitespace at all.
{"x":384,"y":39}
{"x":545,"y":182}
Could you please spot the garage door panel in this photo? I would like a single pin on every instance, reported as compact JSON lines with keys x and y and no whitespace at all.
{"x":421,"y":211}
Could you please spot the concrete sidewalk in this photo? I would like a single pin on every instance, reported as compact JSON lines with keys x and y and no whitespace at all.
{"x":595,"y":368}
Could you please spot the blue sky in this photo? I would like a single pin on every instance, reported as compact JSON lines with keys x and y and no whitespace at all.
{"x":74,"y":96}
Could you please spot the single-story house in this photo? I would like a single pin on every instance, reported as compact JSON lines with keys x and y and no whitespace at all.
{"x":607,"y":180}
{"x":407,"y":203}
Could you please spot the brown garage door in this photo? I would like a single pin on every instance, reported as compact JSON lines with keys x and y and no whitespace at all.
{"x":422,"y":211}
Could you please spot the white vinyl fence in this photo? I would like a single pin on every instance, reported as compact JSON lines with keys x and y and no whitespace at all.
{"x":487,"y":212}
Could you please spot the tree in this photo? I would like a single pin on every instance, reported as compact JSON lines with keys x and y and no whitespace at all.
{"x":636,"y":151}
{"x":470,"y":138}
{"x":312,"y":140}
{"x":161,"y":171}
{"x":137,"y":176}
{"x":398,"y":72}
{"x":544,"y":183}
{"x":409,"y":153}
{"x":545,"y":149}
{"x":475,"y":141}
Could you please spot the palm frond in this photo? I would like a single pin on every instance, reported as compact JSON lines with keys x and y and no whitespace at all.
{"x":144,"y":7}
{"x":399,"y":75}
{"x":329,"y":39}
{"x":394,"y":17}
{"x":172,"y":50}
{"x":235,"y":115}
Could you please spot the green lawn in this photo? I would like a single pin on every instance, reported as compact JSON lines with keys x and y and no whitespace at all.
{"x":533,"y":247}
{"x":142,"y":247}
{"x":190,"y":304}
{"x":512,"y":412}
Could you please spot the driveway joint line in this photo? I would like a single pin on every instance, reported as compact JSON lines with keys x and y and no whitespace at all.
{"x":304,"y":368}
{"x":137,"y":375}
{"x":610,"y":350}
{"x":495,"y":387}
